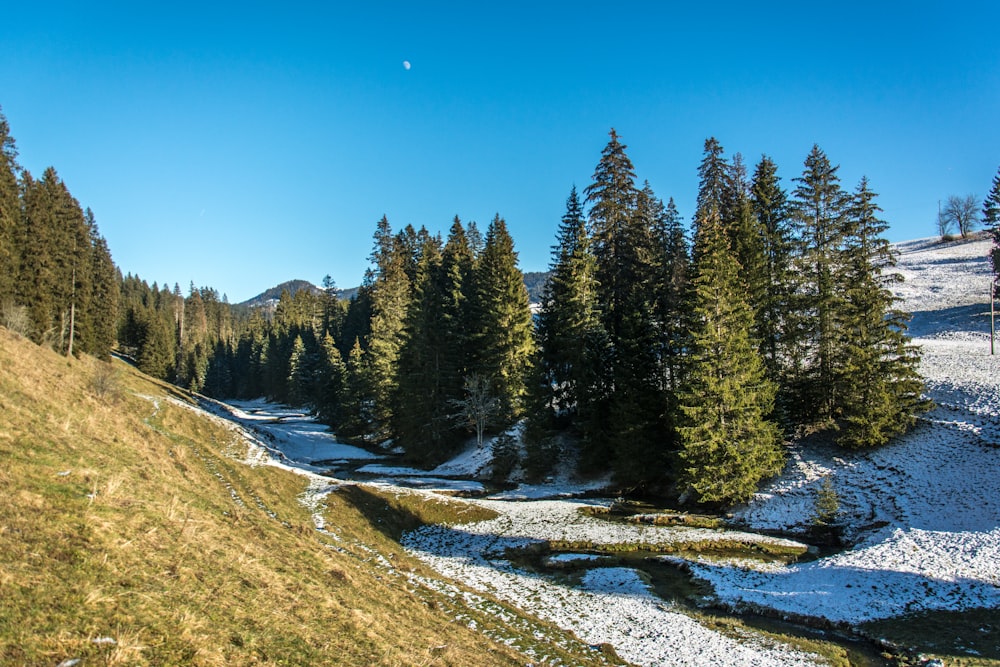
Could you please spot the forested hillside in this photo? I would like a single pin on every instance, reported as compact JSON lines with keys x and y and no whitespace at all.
{"x":58,"y":284}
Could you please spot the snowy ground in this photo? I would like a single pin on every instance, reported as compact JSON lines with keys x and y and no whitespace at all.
{"x":931,"y":501}
{"x":924,"y":511}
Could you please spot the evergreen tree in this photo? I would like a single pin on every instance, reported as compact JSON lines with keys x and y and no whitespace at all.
{"x":820,"y":212}
{"x":639,"y":427}
{"x":727,"y":443}
{"x":331,"y":380}
{"x":155,"y":345}
{"x":333,"y":308}
{"x":503,"y":335}
{"x":671,"y":288}
{"x":356,"y":404}
{"x":569,"y":323}
{"x":991,"y":220}
{"x":774,"y":311}
{"x":299,"y":374}
{"x":714,"y":189}
{"x":879,"y":384}
{"x":390,"y":297}
{"x":430,"y":362}
{"x":10,"y":214}
{"x":104,"y":298}
{"x":565,"y":384}
{"x":612,"y":197}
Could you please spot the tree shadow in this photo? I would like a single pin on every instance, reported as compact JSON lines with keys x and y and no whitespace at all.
{"x":972,"y":318}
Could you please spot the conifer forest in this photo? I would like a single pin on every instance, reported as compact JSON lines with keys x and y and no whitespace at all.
{"x":680,"y":350}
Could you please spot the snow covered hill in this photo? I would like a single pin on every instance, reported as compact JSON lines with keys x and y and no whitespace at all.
{"x":926,"y":509}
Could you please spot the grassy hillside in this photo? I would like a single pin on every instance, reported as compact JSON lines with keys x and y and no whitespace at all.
{"x":132,"y":533}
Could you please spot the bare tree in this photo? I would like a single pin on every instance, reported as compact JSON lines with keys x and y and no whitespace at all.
{"x":479,"y":406}
{"x":962,"y":212}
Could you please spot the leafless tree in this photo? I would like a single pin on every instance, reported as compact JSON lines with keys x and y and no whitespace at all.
{"x":962,"y":212}
{"x":479,"y":406}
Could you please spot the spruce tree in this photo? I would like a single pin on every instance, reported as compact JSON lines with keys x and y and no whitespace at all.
{"x":820,"y":213}
{"x":991,"y":221}
{"x":390,"y":297}
{"x":770,"y":208}
{"x":671,"y":288}
{"x":429,"y":362}
{"x":567,"y":377}
{"x":878,"y":381}
{"x":714,"y":191}
{"x":727,"y":443}
{"x":355,"y":416}
{"x":612,"y":197}
{"x":569,"y":323}
{"x":504,"y":327}
{"x":104,"y":297}
{"x":10,"y":214}
{"x":331,"y":380}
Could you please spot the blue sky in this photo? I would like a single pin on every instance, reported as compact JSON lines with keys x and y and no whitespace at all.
{"x":238,"y":146}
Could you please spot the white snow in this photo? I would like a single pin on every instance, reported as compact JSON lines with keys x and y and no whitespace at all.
{"x":296,"y":434}
{"x":924,"y":511}
{"x":935,"y":492}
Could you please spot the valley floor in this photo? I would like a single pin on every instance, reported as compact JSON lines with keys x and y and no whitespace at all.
{"x":923,"y":513}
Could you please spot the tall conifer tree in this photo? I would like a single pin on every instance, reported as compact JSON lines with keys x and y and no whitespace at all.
{"x":728,"y":445}
{"x":820,"y":212}
{"x":991,"y":221}
{"x":880,"y":386}
{"x":10,"y":214}
{"x":770,"y":208}
{"x":390,"y":297}
{"x":504,"y":327}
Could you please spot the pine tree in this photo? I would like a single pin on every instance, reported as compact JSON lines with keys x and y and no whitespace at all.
{"x":770,"y":208}
{"x":671,"y":288}
{"x":390,"y":297}
{"x":10,"y":214}
{"x":879,"y":385}
{"x":104,"y":297}
{"x":567,"y":377}
{"x":727,"y":443}
{"x":820,"y":211}
{"x":568,"y":323}
{"x":991,"y":221}
{"x":504,"y":328}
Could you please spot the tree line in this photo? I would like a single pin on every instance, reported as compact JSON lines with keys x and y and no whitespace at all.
{"x":681,"y":363}
{"x":679,"y":357}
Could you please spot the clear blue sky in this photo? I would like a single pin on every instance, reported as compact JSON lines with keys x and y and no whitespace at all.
{"x":244,"y":145}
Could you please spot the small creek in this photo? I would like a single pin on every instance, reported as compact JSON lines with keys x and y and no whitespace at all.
{"x":668,"y":577}
{"x":672,"y":581}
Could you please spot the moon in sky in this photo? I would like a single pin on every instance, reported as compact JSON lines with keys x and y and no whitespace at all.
{"x":406,"y":64}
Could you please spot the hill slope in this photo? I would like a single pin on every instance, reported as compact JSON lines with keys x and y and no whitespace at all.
{"x":131,"y":532}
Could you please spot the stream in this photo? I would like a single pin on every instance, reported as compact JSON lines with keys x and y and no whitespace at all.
{"x":607,"y":580}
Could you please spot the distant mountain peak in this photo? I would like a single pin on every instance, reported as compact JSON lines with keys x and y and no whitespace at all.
{"x":272,"y":295}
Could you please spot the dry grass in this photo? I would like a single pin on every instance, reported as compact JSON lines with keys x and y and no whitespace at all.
{"x":129,"y":537}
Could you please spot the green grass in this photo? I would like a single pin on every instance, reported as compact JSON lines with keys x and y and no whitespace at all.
{"x":131,"y":534}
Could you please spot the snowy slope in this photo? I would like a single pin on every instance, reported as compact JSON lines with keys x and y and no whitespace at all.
{"x":930,"y":501}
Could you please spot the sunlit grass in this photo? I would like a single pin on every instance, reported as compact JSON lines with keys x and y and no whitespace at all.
{"x":129,"y":535}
